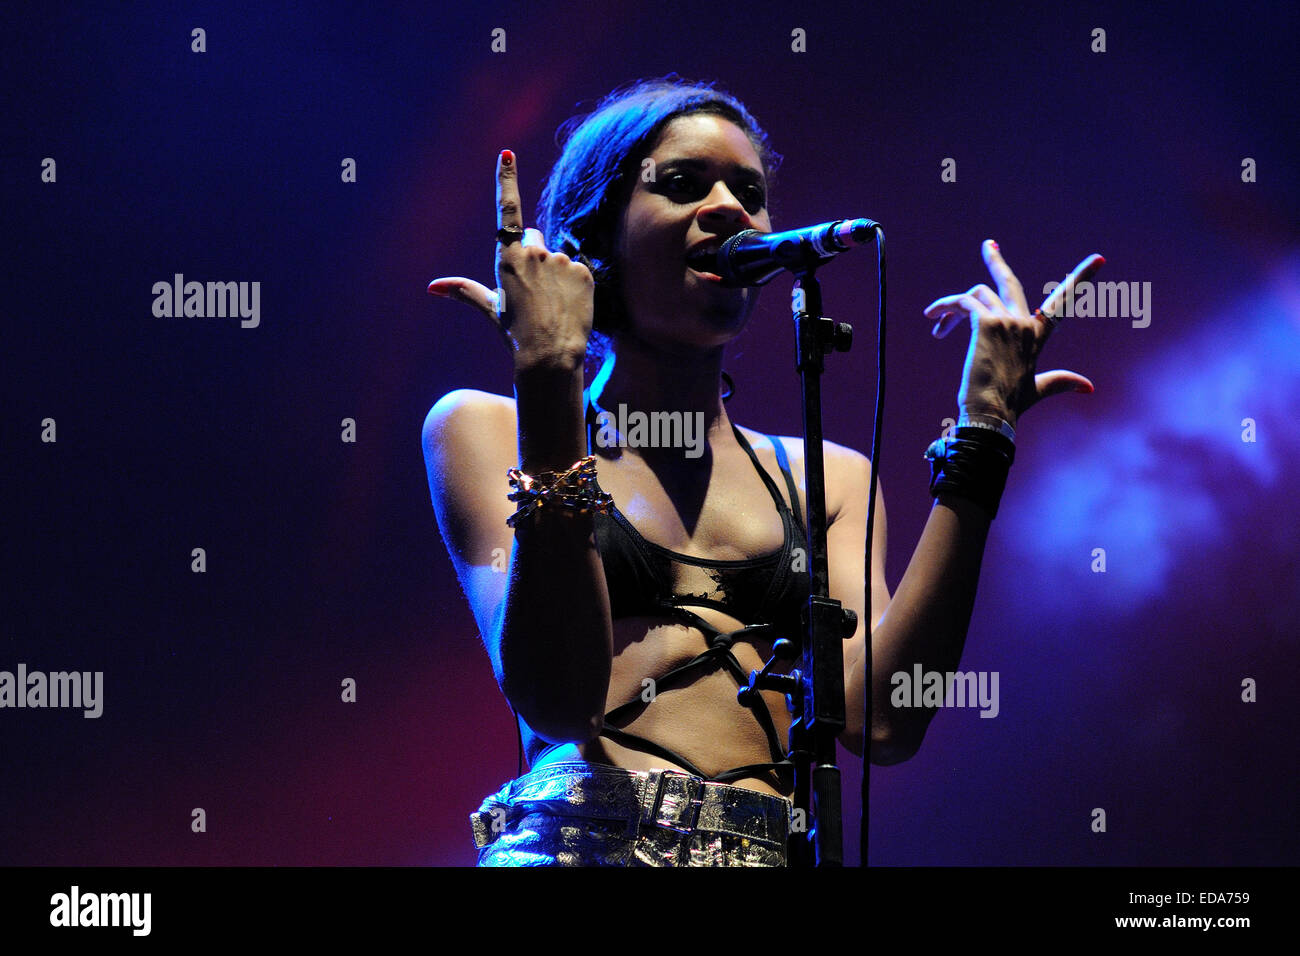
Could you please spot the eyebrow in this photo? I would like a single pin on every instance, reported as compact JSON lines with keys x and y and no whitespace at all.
{"x":738,"y":169}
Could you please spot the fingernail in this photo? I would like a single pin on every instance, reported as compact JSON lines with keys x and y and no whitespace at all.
{"x":994,"y":244}
{"x":1084,"y":389}
{"x":507,"y":157}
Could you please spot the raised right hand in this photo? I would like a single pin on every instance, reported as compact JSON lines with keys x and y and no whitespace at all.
{"x":547,"y":311}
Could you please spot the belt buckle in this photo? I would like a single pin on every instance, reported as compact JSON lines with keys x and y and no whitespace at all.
{"x":689,"y":798}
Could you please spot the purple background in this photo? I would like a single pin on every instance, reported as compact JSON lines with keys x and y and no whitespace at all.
{"x":1118,"y":690}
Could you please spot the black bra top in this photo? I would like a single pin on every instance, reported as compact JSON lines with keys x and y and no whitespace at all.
{"x":767,"y":592}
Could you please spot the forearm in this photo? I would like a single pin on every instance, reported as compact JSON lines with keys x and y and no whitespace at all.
{"x":926,"y":624}
{"x":555,"y":632}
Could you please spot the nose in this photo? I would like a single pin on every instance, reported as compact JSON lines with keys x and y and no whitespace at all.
{"x":722,"y":206}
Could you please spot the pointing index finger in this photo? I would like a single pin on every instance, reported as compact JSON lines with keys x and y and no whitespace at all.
{"x":509,"y":214}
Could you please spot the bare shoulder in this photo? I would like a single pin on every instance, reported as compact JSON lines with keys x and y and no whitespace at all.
{"x":848,"y":471}
{"x":468,"y":414}
{"x":469,"y":440}
{"x":793,"y":445}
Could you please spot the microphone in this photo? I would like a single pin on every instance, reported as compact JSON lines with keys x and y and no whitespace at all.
{"x":752,"y":258}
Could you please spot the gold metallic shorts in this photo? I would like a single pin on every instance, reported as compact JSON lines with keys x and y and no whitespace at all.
{"x":577,"y":813}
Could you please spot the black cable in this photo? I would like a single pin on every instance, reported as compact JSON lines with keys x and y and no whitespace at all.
{"x":871,"y":530}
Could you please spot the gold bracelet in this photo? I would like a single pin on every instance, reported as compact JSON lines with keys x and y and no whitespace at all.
{"x":574,"y":489}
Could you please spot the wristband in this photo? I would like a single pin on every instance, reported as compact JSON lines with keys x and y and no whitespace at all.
{"x":989,"y":423}
{"x":974,"y":465}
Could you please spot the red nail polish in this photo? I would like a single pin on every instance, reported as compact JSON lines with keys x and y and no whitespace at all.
{"x":507,"y":157}
{"x":995,"y":247}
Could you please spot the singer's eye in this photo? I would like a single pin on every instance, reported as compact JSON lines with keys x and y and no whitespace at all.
{"x":682,"y":185}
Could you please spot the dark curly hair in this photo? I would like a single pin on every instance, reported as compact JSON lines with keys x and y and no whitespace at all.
{"x":600,"y":157}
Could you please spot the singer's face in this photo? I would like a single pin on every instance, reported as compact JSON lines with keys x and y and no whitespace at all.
{"x":706,"y":183}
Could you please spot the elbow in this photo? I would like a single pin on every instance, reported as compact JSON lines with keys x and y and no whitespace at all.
{"x":559,"y":708}
{"x":565,"y":730}
{"x":568,"y":731}
{"x":891,"y":744}
{"x":556,"y":721}
{"x":885,"y":753}
{"x":887,"y":747}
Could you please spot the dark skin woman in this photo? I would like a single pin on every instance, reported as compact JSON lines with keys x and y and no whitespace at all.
{"x":560,"y":656}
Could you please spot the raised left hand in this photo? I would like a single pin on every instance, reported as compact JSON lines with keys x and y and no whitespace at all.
{"x":999,"y":376}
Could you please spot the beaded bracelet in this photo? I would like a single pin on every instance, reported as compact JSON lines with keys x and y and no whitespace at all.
{"x":574,"y":489}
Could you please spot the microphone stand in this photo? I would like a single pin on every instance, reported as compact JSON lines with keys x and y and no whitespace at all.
{"x":815,"y":690}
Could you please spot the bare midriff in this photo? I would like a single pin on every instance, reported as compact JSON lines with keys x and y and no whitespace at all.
{"x":702,"y":720}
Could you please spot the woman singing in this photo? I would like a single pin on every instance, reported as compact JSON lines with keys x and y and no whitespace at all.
{"x":645,"y":582}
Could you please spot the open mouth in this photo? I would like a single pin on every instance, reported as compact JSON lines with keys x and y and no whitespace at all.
{"x":704,"y":260}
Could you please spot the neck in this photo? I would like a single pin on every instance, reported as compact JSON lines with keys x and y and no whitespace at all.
{"x":646,"y":377}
